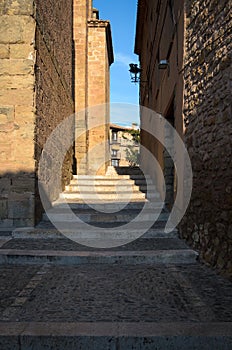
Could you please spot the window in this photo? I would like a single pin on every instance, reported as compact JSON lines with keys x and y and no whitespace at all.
{"x":114,"y":135}
{"x":114,"y":162}
{"x":114,"y":153}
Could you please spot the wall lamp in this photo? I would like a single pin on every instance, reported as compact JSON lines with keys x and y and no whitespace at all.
{"x":163,"y":64}
{"x":135,"y":73}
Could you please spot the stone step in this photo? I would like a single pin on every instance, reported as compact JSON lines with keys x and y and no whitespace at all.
{"x":103,"y":182}
{"x":14,"y":256}
{"x":108,"y":206}
{"x":116,"y":335}
{"x":143,"y":182}
{"x":102,"y":202}
{"x":111,"y":178}
{"x":88,"y":216}
{"x":109,"y":188}
{"x":111,"y":181}
{"x":128,"y":170}
{"x":66,"y":252}
{"x":103,"y":196}
{"x":45,"y":231}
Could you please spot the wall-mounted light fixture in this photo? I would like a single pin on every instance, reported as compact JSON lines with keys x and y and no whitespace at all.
{"x":163,"y":64}
{"x":134,"y":73}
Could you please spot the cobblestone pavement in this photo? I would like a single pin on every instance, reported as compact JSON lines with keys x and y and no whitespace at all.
{"x":112,"y":293}
{"x":99,"y":306}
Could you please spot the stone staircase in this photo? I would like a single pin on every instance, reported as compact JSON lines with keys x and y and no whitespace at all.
{"x":121,"y":213}
{"x":140,"y":289}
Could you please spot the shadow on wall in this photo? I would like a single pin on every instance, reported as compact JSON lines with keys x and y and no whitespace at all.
{"x":20,"y":203}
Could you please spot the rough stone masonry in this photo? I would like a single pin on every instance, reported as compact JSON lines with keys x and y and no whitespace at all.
{"x":207,"y":224}
{"x":53,"y":54}
{"x":36,"y":94}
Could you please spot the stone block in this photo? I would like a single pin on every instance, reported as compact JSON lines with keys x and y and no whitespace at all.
{"x":16,"y":7}
{"x":16,"y":67}
{"x":8,"y":128}
{"x":4,"y":51}
{"x":17,"y":29}
{"x":26,"y":152}
{"x":19,"y":96}
{"x":21,"y":206}
{"x":17,"y":82}
{"x":6,"y":114}
{"x":5,"y":183}
{"x":23,"y":184}
{"x":25,"y":51}
{"x":11,"y":30}
{"x":25,"y":165}
{"x":24,"y":115}
{"x":5,"y":223}
{"x":3,"y":208}
{"x":6,"y":151}
{"x":24,"y":222}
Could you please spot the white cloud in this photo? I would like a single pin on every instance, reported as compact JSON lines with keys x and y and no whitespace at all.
{"x":123,"y":59}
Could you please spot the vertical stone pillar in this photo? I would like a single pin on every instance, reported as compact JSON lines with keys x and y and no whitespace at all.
{"x":100,"y":57}
{"x":93,"y":56}
{"x":81,"y":9}
{"x":17,"y":116}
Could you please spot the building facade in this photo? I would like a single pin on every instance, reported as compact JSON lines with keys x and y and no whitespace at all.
{"x":49,"y":68}
{"x":194,"y":94}
{"x":93,"y":57}
{"x":124,"y":149}
{"x":159,"y":37}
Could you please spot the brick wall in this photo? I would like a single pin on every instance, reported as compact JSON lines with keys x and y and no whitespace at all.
{"x":17,"y":118}
{"x":207,"y":224}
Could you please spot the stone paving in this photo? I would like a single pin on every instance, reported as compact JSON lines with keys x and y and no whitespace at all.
{"x":104,"y":293}
{"x":149,"y":294}
{"x":111,"y":306}
{"x":66,"y":244}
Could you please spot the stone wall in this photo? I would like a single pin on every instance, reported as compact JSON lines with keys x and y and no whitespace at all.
{"x":93,"y":56}
{"x":17,"y":117}
{"x":36,"y":95}
{"x":160,"y":36}
{"x":197,"y":92}
{"x":99,"y":61}
{"x":82,"y":10}
{"x":207,"y":224}
{"x":54,"y":100}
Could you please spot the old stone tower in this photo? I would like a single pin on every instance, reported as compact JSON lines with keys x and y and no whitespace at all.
{"x":54,"y":61}
{"x":93,"y":56}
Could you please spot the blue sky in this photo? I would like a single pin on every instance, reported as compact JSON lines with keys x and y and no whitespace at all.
{"x":122,"y":16}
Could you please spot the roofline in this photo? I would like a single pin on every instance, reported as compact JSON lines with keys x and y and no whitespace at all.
{"x":109,"y":43}
{"x":139,"y":26}
{"x":119,"y":127}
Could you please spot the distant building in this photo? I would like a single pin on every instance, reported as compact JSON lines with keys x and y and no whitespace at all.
{"x":122,"y":144}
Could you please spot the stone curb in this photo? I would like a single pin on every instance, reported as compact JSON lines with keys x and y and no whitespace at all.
{"x":115,"y":336}
{"x":13,"y":256}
